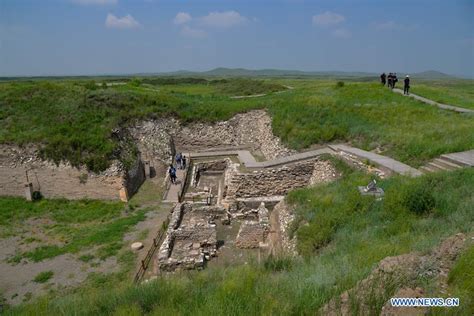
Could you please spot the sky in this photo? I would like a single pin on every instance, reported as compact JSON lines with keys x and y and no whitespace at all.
{"x":92,"y":37}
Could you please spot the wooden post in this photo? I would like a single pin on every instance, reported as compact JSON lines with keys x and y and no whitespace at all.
{"x":29,"y":191}
{"x":147,"y":169}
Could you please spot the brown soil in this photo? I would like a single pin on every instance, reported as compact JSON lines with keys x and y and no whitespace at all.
{"x":399,"y":272}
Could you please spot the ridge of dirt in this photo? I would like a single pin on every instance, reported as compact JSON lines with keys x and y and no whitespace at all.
{"x":397,"y":275}
{"x":157,"y":137}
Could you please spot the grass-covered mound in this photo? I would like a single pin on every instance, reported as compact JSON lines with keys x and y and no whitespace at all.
{"x":74,"y":120}
{"x":358,"y":233}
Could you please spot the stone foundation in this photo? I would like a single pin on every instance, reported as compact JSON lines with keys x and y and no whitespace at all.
{"x":253,"y":233}
{"x":270,"y":182}
{"x":191,"y":238}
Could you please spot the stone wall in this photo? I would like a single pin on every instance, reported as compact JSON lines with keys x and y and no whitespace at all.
{"x":270,"y":182}
{"x":157,"y":138}
{"x":63,"y":180}
{"x":250,"y":235}
{"x":190,"y":239}
{"x":135,"y":177}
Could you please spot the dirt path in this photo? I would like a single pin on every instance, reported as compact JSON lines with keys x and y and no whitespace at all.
{"x":431,"y":102}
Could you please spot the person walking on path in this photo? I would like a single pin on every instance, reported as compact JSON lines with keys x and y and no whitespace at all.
{"x":394,"y":80}
{"x":179,"y":158}
{"x":389,"y":80}
{"x":172,"y":173}
{"x":183,"y":162}
{"x":383,"y":79}
{"x":406,"y":85}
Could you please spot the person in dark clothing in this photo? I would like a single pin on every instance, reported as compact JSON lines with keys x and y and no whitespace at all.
{"x":172,"y":173}
{"x":383,"y":78}
{"x":406,"y":85}
{"x":389,"y":80}
{"x":178,"y":160}
{"x":183,"y":162}
{"x":394,"y":80}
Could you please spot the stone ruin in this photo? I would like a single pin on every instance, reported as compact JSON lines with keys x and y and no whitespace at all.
{"x":253,"y":233}
{"x":191,"y":238}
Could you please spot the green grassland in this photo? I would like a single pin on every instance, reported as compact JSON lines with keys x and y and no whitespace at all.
{"x":452,"y":92}
{"x":67,"y":226}
{"x":73,"y":120}
{"x":342,"y":236}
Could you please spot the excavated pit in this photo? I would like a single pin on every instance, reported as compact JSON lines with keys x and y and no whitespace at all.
{"x":225,"y":212}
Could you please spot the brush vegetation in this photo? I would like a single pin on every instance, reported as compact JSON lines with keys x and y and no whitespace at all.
{"x":357,"y":232}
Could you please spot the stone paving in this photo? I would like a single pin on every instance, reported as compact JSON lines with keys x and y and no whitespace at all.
{"x":172,"y":195}
{"x":440,"y":105}
{"x":465,"y":158}
{"x":249,"y":160}
{"x":380,"y":160}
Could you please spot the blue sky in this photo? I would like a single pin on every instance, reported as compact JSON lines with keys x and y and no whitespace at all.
{"x":76,"y":37}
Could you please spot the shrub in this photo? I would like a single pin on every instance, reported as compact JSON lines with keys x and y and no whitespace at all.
{"x":136,"y":82}
{"x":90,"y":85}
{"x":418,"y":197}
{"x":340,"y":84}
{"x":43,"y":277}
{"x":273,"y":263}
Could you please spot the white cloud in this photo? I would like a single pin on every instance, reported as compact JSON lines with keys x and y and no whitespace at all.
{"x":126,"y":22}
{"x":182,"y":18}
{"x":341,"y":33}
{"x":328,"y":18}
{"x":95,"y":2}
{"x":392,"y":26}
{"x":223,"y":19}
{"x":193,"y":33}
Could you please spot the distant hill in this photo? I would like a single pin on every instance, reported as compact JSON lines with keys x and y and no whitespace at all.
{"x":432,"y":74}
{"x":242,"y":72}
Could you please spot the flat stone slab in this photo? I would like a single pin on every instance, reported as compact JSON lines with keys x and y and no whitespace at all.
{"x":380,"y":160}
{"x":136,"y":246}
{"x":465,"y":158}
{"x":378,"y":192}
{"x":249,"y":161}
{"x":440,"y":105}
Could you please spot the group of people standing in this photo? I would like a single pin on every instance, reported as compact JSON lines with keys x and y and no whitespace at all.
{"x":391,"y":80}
{"x":180,"y":164}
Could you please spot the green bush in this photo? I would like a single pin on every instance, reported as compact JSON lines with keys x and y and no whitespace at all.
{"x":340,"y":84}
{"x":43,"y":277}
{"x":418,"y":197}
